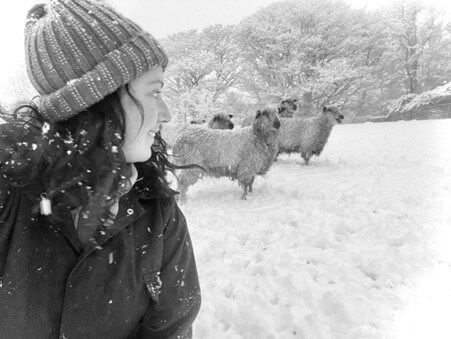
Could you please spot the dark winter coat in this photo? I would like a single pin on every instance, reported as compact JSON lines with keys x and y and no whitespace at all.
{"x":139,"y":281}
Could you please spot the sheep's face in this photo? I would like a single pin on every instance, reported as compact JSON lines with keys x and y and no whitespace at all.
{"x":334,"y":113}
{"x":221,"y":121}
{"x":267,"y":120}
{"x":198,"y":121}
{"x":290,"y":107}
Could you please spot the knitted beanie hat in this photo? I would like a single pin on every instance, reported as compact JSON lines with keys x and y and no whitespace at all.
{"x":79,"y":51}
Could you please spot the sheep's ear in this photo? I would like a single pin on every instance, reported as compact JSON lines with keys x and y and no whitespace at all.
{"x":230,"y":116}
{"x":295,"y":100}
{"x":258,"y":113}
{"x":281,"y":109}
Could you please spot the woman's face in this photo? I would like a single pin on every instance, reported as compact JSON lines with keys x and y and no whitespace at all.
{"x":140,"y":128}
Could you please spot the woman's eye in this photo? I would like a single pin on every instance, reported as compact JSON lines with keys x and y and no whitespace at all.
{"x":156,"y":94}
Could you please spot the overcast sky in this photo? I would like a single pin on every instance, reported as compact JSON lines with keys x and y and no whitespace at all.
{"x":170,"y":16}
{"x":159,"y":17}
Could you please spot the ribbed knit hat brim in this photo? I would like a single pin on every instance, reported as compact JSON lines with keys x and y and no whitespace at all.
{"x":79,"y":51}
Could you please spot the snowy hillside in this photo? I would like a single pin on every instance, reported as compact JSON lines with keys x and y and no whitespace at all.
{"x":352,"y":246}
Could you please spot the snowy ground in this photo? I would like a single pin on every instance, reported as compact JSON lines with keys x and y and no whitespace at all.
{"x":356,"y":245}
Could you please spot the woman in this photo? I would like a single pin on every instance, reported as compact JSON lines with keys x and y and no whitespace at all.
{"x":92,"y":243}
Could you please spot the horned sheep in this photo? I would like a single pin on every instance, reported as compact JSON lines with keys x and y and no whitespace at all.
{"x":240,"y":154}
{"x":308,"y":136}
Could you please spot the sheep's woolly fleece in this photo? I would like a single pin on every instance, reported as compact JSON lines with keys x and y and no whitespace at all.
{"x":238,"y":154}
{"x":307,"y":136}
{"x":170,"y":131}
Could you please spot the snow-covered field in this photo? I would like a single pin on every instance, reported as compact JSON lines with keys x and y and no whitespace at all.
{"x":356,"y":245}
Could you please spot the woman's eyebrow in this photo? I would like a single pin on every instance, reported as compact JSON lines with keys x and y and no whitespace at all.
{"x":153,"y":82}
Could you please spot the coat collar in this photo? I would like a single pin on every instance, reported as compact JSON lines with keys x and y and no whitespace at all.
{"x":129,"y":210}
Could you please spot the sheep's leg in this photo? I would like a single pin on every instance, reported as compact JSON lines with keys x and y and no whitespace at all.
{"x":309,"y":156}
{"x":244,"y":196}
{"x":250,"y":184}
{"x":245,"y":184}
{"x":245,"y":180}
{"x":306,"y":157}
{"x":182,"y":187}
{"x":186,"y":178}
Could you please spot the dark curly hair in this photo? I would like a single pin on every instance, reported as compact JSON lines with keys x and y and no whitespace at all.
{"x":77,"y":162}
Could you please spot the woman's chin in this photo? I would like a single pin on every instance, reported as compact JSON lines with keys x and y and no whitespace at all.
{"x":138,"y":157}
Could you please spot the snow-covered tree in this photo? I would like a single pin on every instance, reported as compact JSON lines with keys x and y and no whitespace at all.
{"x":419,"y":57}
{"x":317,"y":51}
{"x":203,"y":67}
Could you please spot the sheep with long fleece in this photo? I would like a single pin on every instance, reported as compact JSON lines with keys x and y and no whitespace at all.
{"x":170,"y":131}
{"x":240,"y":154}
{"x":308,"y":136}
{"x":287,"y":109}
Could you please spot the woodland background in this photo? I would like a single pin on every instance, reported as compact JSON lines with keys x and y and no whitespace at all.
{"x":373,"y":63}
{"x":319,"y":52}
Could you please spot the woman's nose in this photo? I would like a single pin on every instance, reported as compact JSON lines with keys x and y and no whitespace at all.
{"x":164,"y":115}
